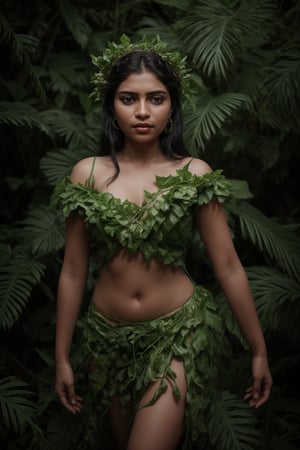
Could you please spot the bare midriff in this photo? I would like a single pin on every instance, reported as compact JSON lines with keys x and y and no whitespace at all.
{"x":130,"y":290}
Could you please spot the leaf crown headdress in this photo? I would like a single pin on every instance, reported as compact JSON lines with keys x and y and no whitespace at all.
{"x":115,"y":51}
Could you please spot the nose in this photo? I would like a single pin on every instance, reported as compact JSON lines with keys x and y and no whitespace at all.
{"x":142,"y":111}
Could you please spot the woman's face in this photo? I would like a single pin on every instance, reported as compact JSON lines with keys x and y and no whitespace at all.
{"x":142,"y":107}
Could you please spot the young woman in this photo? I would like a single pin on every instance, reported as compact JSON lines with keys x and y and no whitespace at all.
{"x":151,"y":334}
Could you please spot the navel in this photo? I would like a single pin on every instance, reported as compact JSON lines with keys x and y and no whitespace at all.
{"x":137,"y":295}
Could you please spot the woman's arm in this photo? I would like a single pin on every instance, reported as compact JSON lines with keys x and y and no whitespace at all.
{"x":71,"y":284}
{"x":213,"y":228}
{"x":71,"y":287}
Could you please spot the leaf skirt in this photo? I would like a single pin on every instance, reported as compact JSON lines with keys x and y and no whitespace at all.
{"x":126,"y":358}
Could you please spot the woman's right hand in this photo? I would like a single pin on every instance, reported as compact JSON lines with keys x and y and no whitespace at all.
{"x":64,"y":387}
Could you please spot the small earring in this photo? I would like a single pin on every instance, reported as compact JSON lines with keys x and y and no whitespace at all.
{"x":169,"y":126}
{"x":115,"y":124}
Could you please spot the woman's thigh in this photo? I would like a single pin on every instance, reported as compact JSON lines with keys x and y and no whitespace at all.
{"x":160,"y":426}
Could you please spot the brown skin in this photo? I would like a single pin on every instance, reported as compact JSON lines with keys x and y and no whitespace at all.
{"x":129,"y":289}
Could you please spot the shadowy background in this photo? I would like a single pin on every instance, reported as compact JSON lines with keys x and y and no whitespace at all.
{"x":244,"y":117}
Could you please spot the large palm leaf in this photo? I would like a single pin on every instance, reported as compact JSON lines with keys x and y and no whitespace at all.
{"x":269,"y":236}
{"x":180,"y":4}
{"x":282,"y":87}
{"x":66,"y":70}
{"x":19,"y":414}
{"x":277,"y":299}
{"x":76,"y":132}
{"x":152,"y":27}
{"x":17,"y":410}
{"x":214,"y":33}
{"x":57,"y":163}
{"x":42,"y":230}
{"x":75,"y":22}
{"x":18,"y":52}
{"x":18,"y":276}
{"x":232,"y":424}
{"x":205,"y":120}
{"x":20,"y":114}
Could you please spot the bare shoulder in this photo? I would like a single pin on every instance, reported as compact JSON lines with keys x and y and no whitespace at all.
{"x":85,"y":167}
{"x":199,"y":167}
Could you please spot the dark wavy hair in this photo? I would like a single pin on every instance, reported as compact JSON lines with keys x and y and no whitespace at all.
{"x":137,"y":61}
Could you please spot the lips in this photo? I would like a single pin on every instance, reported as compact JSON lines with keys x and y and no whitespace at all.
{"x":142,"y":128}
{"x":142,"y":125}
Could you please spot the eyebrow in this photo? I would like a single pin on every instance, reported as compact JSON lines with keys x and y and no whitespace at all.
{"x":147,"y":93}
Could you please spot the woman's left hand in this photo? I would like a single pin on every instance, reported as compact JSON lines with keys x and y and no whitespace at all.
{"x":259,"y":392}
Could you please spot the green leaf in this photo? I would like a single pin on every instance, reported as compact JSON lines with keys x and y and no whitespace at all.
{"x":269,"y":236}
{"x":210,"y":114}
{"x":214,"y":33}
{"x":67,"y":70}
{"x":268,"y":149}
{"x":277,"y":299}
{"x":240,"y":189}
{"x":42,"y":230}
{"x":17,"y":411}
{"x":180,"y":4}
{"x":78,"y":131}
{"x":76,"y":23}
{"x":20,"y":58}
{"x":17,"y":279}
{"x":20,"y":114}
{"x":282,"y":83}
{"x":232,"y":424}
{"x":58,"y":163}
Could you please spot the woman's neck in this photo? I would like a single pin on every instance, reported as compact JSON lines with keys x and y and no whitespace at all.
{"x":141,"y":153}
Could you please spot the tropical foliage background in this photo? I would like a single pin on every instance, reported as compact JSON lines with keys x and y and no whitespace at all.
{"x":244,"y":118}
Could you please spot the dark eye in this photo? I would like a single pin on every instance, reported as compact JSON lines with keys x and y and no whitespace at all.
{"x":157,"y":99}
{"x":127,"y":99}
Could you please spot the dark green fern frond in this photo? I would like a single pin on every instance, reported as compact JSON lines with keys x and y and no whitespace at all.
{"x":30,"y":43}
{"x":240,"y":189}
{"x":277,"y":299}
{"x":214,"y":33}
{"x":210,"y":114}
{"x":17,"y":279}
{"x":98,"y":42}
{"x":20,"y":114}
{"x":265,"y":117}
{"x":252,"y":74}
{"x":75,"y":22}
{"x":5,"y":252}
{"x":269,"y":236}
{"x":17,"y":411}
{"x":152,"y":27}
{"x":20,"y":414}
{"x":10,"y":39}
{"x":42,"y":230}
{"x":266,"y":149}
{"x":58,"y":163}
{"x":66,"y":125}
{"x":232,"y":424}
{"x":72,"y":127}
{"x":282,"y":87}
{"x":67,"y":70}
{"x":180,"y":4}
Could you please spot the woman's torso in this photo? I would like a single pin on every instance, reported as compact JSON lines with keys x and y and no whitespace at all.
{"x":131,"y":290}
{"x":127,"y":287}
